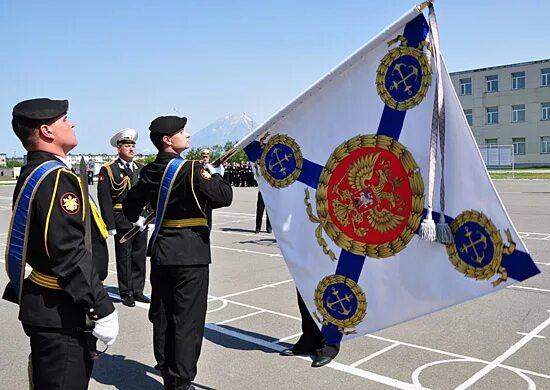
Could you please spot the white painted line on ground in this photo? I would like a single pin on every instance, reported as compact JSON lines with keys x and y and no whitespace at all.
{"x":373,"y":355}
{"x":240,"y":317}
{"x":537,"y":336}
{"x":418,"y":371}
{"x":263,"y":286}
{"x":233,"y":221}
{"x":265,"y":310}
{"x":539,"y":263}
{"x":456,"y":355}
{"x":529,"y":288}
{"x":509,"y":352}
{"x":247,"y":251}
{"x":232,"y":213}
{"x":282,"y":340}
{"x":535,"y":236}
{"x":334,"y":365}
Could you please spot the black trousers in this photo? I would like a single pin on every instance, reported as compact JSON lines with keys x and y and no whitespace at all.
{"x":130,"y":262}
{"x":312,"y":340}
{"x":59,"y":359}
{"x":260,"y":207}
{"x":178,"y":312}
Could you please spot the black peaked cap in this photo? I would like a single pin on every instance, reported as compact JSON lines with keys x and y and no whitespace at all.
{"x":167,"y":124}
{"x":40,"y":109}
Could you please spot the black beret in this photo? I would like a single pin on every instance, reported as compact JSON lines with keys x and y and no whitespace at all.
{"x":167,"y":124}
{"x":40,"y":109}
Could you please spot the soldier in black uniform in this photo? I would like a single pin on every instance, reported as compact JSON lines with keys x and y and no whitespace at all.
{"x":63,"y":287}
{"x":312,"y":342}
{"x":114,"y":181}
{"x":260,"y":207}
{"x":180,"y":254}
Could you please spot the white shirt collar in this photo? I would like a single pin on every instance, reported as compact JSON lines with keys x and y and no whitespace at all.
{"x":65,"y":161}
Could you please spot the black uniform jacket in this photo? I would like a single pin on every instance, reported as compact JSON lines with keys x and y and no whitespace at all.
{"x":55,"y":247}
{"x":194,"y":191}
{"x":114,"y":182}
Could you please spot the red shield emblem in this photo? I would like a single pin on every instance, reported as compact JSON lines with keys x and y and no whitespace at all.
{"x":370,"y":196}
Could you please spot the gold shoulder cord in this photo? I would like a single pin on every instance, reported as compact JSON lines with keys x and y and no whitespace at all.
{"x":193,"y":188}
{"x":117,"y":188}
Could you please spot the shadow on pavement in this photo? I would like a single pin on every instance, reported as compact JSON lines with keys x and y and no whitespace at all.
{"x":227,"y":341}
{"x":262,"y":241}
{"x":238,"y":230}
{"x":124,"y":373}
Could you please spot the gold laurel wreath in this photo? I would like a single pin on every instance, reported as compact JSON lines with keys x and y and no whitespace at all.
{"x":349,"y":323}
{"x":291,"y":143}
{"x":494,"y":266}
{"x":393,"y":55}
{"x":340,"y":238}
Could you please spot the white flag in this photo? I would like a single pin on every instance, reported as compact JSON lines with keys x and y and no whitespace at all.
{"x":344,"y":171}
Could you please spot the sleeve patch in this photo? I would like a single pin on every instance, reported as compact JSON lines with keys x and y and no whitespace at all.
{"x":70,"y":203}
{"x":205,"y":174}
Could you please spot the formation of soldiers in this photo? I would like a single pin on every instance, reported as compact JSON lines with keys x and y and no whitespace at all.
{"x":240,"y":174}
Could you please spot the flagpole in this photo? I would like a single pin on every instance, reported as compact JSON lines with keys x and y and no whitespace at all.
{"x":327,"y":78}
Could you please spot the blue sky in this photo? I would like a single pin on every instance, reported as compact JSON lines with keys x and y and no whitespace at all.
{"x":122,"y":63}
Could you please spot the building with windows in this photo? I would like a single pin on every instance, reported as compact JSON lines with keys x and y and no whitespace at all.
{"x":509,"y":105}
{"x":2,"y":159}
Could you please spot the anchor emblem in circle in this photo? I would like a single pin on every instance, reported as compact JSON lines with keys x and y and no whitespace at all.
{"x":404,"y":74}
{"x":477,"y":248}
{"x":369,"y":199}
{"x":281,"y":160}
{"x":341,"y":302}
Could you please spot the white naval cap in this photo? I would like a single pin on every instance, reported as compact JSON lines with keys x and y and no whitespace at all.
{"x":128,"y":135}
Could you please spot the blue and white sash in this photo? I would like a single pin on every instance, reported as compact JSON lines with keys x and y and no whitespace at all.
{"x":166,"y":184}
{"x":16,"y":248}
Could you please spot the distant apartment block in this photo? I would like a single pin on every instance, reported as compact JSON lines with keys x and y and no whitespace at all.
{"x":2,"y":159}
{"x":509,"y":105}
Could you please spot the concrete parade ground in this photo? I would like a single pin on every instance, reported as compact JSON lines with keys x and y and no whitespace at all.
{"x":500,"y":341}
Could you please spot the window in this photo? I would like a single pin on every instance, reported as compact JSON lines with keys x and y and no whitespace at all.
{"x":491,"y":142}
{"x":545,"y":144}
{"x":518,"y":80}
{"x":469,"y":116}
{"x":465,"y":86}
{"x":545,"y":77}
{"x":545,"y":109}
{"x":519,"y":145}
{"x":518,"y":113}
{"x":492,"y":115}
{"x":492,"y":83}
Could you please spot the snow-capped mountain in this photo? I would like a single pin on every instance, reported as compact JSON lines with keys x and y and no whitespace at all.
{"x":231,"y":128}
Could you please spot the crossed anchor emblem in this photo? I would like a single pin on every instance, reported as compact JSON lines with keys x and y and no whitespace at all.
{"x":279,"y":161}
{"x":478,"y":251}
{"x":339,"y":301}
{"x":404,"y":77}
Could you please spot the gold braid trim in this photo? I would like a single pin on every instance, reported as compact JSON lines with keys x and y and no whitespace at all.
{"x":319,"y":230}
{"x":117,"y":188}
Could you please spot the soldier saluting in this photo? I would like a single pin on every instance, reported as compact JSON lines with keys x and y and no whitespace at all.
{"x":47,"y":232}
{"x":114,"y":181}
{"x":180,"y":191}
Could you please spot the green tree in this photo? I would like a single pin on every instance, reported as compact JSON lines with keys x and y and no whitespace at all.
{"x":147,"y":159}
{"x":13,"y":163}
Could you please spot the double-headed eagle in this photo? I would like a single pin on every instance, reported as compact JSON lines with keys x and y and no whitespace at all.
{"x":365,"y":198}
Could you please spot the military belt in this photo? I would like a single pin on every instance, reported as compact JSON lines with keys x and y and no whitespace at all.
{"x":117,"y":206}
{"x":182,"y":223}
{"x":44,"y":280}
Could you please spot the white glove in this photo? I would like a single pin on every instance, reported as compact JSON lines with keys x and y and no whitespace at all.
{"x":106,"y":328}
{"x":219,"y":169}
{"x":140,"y":223}
{"x":112,"y":232}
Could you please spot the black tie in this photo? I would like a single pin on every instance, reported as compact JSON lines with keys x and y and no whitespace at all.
{"x":129,"y":166}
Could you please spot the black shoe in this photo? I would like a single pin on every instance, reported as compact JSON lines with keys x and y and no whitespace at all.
{"x":128,"y":300}
{"x":257,"y":231}
{"x":142,"y":298}
{"x":268,"y":230}
{"x":321,"y":361}
{"x":293,"y":352}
